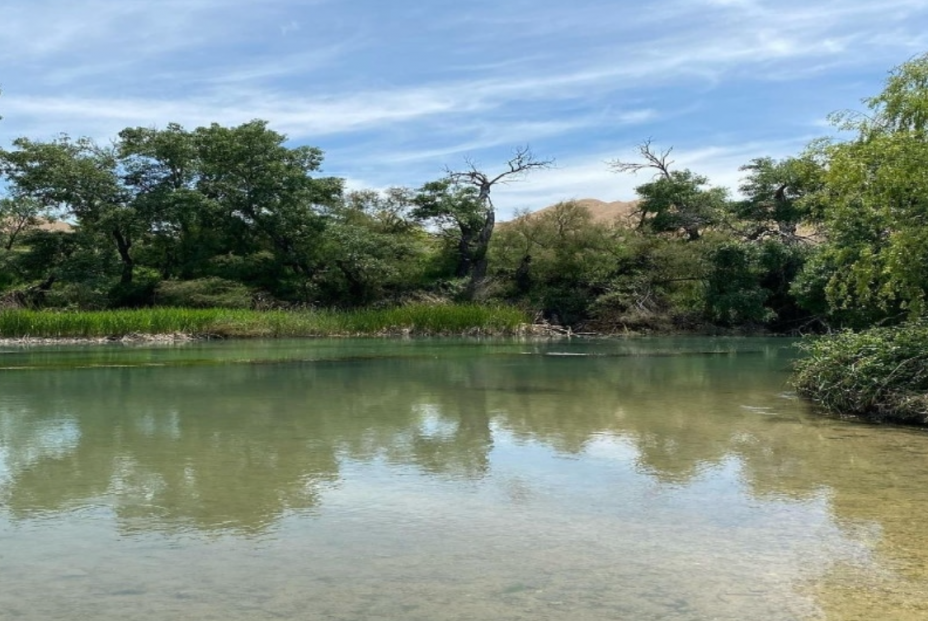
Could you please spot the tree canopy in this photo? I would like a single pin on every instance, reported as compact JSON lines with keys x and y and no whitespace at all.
{"x":874,"y":199}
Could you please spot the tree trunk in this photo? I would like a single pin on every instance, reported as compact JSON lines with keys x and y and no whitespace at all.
{"x":465,"y":255}
{"x":123,"y":245}
{"x":479,"y":268}
{"x":479,"y":262}
{"x":524,"y":275}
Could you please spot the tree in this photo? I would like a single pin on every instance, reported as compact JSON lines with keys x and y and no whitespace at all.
{"x":162,"y":166}
{"x":773,"y":193}
{"x":181,"y":200}
{"x":80,"y":179}
{"x":265,"y":190}
{"x":674,"y":200}
{"x":874,"y":200}
{"x":462,"y":199}
{"x":372,"y":249}
{"x":456,"y":209}
{"x":558,"y":259}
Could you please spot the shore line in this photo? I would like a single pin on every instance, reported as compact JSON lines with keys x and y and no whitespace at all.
{"x":139,"y":338}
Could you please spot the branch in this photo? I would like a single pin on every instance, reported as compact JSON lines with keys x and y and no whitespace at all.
{"x":522,"y":162}
{"x":655,"y":160}
{"x":518,"y":165}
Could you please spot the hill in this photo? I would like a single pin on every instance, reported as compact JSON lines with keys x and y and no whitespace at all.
{"x":601,"y":211}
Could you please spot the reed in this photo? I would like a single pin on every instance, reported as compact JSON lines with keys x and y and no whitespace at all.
{"x":231,"y":323}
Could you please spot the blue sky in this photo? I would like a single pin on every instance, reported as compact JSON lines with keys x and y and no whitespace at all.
{"x":395,"y":91}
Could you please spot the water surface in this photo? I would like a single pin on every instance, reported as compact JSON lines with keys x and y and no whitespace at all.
{"x":376,"y":479}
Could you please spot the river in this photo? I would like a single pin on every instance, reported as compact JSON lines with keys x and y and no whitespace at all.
{"x":640,"y":479}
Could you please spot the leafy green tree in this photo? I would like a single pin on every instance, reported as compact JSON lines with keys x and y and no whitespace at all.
{"x":874,"y":200}
{"x":750,"y":276}
{"x":373,"y":248}
{"x":66,"y":268}
{"x":389,"y":211}
{"x":264,"y":191}
{"x":773,"y":191}
{"x":17,"y":216}
{"x":80,"y":179}
{"x":461,"y":217}
{"x":734,"y":294}
{"x":675,"y":200}
{"x":186,"y":229}
{"x":558,"y":260}
{"x":749,"y":283}
{"x":188,"y":203}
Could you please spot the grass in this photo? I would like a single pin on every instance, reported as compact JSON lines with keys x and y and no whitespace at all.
{"x":231,"y":323}
{"x":879,"y":374}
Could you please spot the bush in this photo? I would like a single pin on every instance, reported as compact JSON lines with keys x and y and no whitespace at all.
{"x":203,"y":293}
{"x":880,"y":374}
{"x":139,"y":292}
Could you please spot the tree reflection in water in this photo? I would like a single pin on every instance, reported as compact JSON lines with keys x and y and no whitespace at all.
{"x":235,"y":448}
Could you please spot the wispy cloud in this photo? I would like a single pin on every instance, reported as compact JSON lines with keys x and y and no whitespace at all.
{"x":395,"y":93}
{"x":592,"y":177}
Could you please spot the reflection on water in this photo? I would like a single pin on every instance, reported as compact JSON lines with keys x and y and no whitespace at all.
{"x":637,"y":479}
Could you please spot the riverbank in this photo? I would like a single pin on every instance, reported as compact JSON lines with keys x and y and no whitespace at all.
{"x":880,"y":375}
{"x":20,"y":327}
{"x":27,"y":327}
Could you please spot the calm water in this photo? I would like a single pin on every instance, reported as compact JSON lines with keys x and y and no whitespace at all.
{"x":437,"y":480}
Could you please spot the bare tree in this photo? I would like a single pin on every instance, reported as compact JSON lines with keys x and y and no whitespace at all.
{"x":521,"y":163}
{"x":651,"y":159}
{"x":460,"y":202}
{"x":655,"y":160}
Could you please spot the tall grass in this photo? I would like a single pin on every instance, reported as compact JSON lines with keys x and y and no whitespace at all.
{"x":413,"y":319}
{"x":879,"y":374}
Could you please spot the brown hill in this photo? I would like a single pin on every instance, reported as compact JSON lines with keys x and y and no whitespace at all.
{"x":42,"y":224}
{"x":626,"y":213}
{"x":607,"y":213}
{"x":55,"y":226}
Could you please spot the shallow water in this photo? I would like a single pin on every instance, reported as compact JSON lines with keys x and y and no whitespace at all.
{"x":671,"y":479}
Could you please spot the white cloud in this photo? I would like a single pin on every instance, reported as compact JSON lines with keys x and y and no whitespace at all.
{"x":591,"y":177}
{"x":398,"y":92}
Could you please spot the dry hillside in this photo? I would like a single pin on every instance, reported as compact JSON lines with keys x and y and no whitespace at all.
{"x":52,"y":226}
{"x":601,"y":210}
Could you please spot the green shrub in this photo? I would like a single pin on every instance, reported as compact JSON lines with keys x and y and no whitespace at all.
{"x":139,"y":292}
{"x":880,"y":374}
{"x":203,"y":293}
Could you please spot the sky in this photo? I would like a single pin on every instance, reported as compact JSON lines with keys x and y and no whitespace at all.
{"x":397,"y":91}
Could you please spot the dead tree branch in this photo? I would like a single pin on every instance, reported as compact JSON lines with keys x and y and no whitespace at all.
{"x":522,"y":162}
{"x":655,"y":160}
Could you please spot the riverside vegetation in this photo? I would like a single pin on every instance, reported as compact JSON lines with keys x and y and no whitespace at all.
{"x":237,"y":219}
{"x":416,"y":319}
{"x":880,"y":374}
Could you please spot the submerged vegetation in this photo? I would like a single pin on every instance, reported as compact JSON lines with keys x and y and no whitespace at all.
{"x":411,"y":319}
